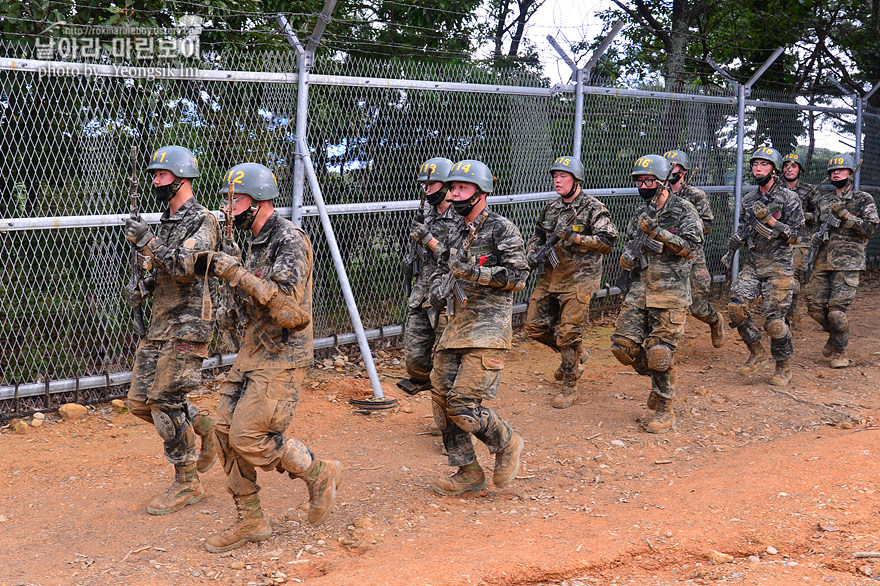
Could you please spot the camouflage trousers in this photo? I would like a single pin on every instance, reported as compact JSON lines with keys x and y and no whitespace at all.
{"x":701,"y":283}
{"x":164,"y":373}
{"x":799,"y":255}
{"x":462,"y":380}
{"x":651,"y":335}
{"x":254,"y":411}
{"x":829,"y":294}
{"x":557,"y":319}
{"x":775,"y":293}
{"x":419,"y":339}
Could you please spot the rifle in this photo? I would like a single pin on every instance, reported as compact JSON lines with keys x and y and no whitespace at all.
{"x":415,"y":256}
{"x":226,"y":291}
{"x":745,"y":233}
{"x":832,"y":220}
{"x":450,"y":288}
{"x":137,"y":277}
{"x":636,"y":249}
{"x":547,"y":253}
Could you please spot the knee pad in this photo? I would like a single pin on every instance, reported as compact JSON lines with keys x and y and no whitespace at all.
{"x":466,"y":418}
{"x":837,"y":320}
{"x":625,"y":350}
{"x":659,"y":356}
{"x":818,"y":314}
{"x":738,"y":313}
{"x":169,"y":424}
{"x":777,"y":328}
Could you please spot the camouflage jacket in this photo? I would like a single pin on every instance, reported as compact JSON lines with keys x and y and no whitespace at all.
{"x":666,"y":282}
{"x":808,"y":205}
{"x":845,"y":248}
{"x":579,"y":269}
{"x":773,"y":257}
{"x":440,"y":225}
{"x":282,"y":253}
{"x":485,"y":322}
{"x":177,"y":297}
{"x":700,"y":201}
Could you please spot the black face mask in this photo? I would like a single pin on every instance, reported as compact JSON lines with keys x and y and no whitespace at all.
{"x":464,"y":207}
{"x":762,"y":181}
{"x":245,"y":219}
{"x":674,"y":178}
{"x":647,"y":193}
{"x":841,"y":183}
{"x":165,"y":193}
{"x":438,"y":196}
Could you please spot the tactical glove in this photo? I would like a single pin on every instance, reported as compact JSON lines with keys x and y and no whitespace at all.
{"x":464,"y":270}
{"x":567,"y":235}
{"x":627,"y":261}
{"x":839,"y":208}
{"x":649,"y":225}
{"x":137,"y":231}
{"x":532,"y":259}
{"x":419,"y":232}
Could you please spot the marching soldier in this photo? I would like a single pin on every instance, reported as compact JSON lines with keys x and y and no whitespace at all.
{"x":792,"y":169}
{"x":168,"y":360}
{"x":579,"y":229}
{"x":440,"y":218}
{"x":701,"y":280}
{"x":661,"y":241}
{"x":273,"y":287}
{"x":848,"y":219}
{"x":774,"y":218}
{"x":473,"y":347}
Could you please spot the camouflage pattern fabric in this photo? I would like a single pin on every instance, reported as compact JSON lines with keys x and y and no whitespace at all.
{"x":282,"y":253}
{"x":579,"y":268}
{"x":486,"y":320}
{"x":701,"y":280}
{"x":665,"y":283}
{"x":700,"y":201}
{"x":462,"y":380}
{"x":560,"y":302}
{"x":647,"y":327}
{"x":177,"y":298}
{"x":773,"y":257}
{"x":776,"y":293}
{"x":254,"y":411}
{"x":164,"y":373}
{"x":845,"y":249}
{"x":808,"y":206}
{"x":258,"y":397}
{"x":418,"y":336}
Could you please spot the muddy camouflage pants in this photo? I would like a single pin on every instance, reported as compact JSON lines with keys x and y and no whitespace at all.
{"x":701,"y":283}
{"x":650,"y":336}
{"x":462,"y":380}
{"x":254,"y":411}
{"x":775,"y":293}
{"x":829,"y":295}
{"x":557,"y":319}
{"x":418,"y":340}
{"x":164,"y":373}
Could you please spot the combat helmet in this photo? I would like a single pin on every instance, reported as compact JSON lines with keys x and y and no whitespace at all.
{"x":569,"y":165}
{"x":254,"y":180}
{"x":472,"y":171}
{"x":768,"y":154}
{"x":178,"y":160}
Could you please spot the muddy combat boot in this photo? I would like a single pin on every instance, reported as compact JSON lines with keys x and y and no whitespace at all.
{"x":468,"y":478}
{"x":652,"y":401}
{"x":782,"y":376}
{"x":664,"y":417}
{"x":717,"y":331}
{"x":204,"y":428}
{"x":575,"y":355}
{"x":840,"y":360}
{"x":411,"y":386}
{"x":250,"y":527}
{"x":507,"y":461}
{"x":828,"y":348}
{"x":323,"y":477}
{"x":566,"y":397}
{"x":185,"y":490}
{"x":757,"y":359}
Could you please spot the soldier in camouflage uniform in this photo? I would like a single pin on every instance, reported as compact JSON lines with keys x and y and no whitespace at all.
{"x":423,"y":326}
{"x":701,"y":280}
{"x":776,"y":219}
{"x":473,"y":347}
{"x":560,"y":303}
{"x":835,"y":278}
{"x":667,"y":231}
{"x":792,"y":168}
{"x":273,"y":287}
{"x":168,"y":360}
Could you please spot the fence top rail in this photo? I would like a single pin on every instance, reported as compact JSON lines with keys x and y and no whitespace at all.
{"x":105,"y":220}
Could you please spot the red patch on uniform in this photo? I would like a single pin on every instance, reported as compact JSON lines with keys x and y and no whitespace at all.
{"x":777,"y":215}
{"x":483,"y":260}
{"x":259,"y":273}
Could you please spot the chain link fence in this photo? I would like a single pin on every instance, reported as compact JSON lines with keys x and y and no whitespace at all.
{"x":67,"y":128}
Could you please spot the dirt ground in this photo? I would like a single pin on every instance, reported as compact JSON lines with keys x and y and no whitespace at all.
{"x":783,"y":480}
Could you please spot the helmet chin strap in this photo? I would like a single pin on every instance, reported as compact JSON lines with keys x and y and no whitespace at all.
{"x":573,"y":189}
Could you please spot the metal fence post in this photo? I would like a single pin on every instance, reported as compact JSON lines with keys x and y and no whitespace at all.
{"x":577,"y":143}
{"x":860,"y":109}
{"x":738,"y":181}
{"x":340,"y":270}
